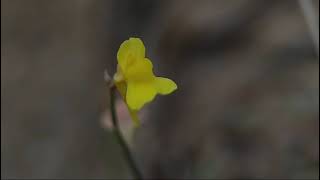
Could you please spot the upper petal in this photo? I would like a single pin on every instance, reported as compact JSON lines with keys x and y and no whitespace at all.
{"x":140,"y":70}
{"x":130,"y":51}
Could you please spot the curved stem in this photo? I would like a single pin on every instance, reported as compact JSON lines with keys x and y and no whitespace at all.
{"x":125,"y":148}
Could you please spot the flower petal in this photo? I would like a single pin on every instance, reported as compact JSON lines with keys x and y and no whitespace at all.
{"x":118,"y":76}
{"x":130,"y":51}
{"x":139,"y":93}
{"x":164,"y":85}
{"x":141,"y":70}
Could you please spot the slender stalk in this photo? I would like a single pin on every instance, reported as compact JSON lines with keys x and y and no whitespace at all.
{"x":125,"y":148}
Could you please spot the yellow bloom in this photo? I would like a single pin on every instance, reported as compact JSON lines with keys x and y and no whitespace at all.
{"x":135,"y":79}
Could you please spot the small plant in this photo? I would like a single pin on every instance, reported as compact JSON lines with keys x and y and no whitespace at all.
{"x":137,"y":85}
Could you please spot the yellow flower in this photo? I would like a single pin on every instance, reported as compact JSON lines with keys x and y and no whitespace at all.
{"x":135,"y":79}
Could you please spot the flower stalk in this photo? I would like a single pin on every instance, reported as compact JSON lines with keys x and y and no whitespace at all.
{"x":117,"y":132}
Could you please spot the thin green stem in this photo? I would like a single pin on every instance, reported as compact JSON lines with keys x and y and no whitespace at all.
{"x":125,"y":148}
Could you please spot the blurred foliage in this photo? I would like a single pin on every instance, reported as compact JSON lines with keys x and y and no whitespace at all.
{"x":247,"y":105}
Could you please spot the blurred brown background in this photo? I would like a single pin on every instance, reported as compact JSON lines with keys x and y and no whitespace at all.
{"x":247,"y":104}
